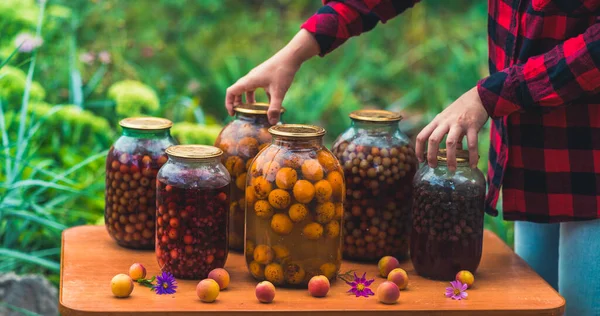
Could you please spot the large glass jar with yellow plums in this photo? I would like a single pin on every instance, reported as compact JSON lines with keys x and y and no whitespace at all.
{"x":294,"y":208}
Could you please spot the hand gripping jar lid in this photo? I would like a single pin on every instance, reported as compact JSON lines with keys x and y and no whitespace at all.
{"x":194,"y":152}
{"x":146,"y":123}
{"x":375,"y":116}
{"x":297,"y":131}
{"x":254,"y":108}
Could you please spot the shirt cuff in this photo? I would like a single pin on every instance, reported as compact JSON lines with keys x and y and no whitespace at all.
{"x":498,"y":95}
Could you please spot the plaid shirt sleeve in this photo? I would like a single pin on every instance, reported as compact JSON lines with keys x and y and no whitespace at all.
{"x":339,"y":20}
{"x":563,"y":74}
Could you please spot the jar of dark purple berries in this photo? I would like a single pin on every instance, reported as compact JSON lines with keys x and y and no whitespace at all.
{"x":447,"y":225}
{"x":379,"y":164}
{"x":240,"y":141}
{"x":131,"y":167}
{"x":192,"y":205}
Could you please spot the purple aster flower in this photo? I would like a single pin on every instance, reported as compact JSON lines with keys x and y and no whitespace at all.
{"x":165,"y":284}
{"x":27,"y":42}
{"x":360,"y":286}
{"x":457,"y":291}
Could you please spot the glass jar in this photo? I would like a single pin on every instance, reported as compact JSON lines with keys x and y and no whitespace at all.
{"x":294,"y":208}
{"x":240,"y":141}
{"x":448,"y":211}
{"x":379,"y":165}
{"x":131,"y":167}
{"x":192,"y":211}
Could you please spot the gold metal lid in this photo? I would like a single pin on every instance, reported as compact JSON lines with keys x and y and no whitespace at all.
{"x":461,"y":155}
{"x":375,"y":116}
{"x":146,"y":123}
{"x":194,"y":152}
{"x":254,"y":108}
{"x":297,"y":130}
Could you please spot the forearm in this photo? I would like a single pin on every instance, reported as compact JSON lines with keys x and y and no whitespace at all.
{"x":562,"y":75}
{"x":302,"y":47}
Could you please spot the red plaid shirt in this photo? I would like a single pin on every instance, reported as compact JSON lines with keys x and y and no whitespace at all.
{"x":543,"y":95}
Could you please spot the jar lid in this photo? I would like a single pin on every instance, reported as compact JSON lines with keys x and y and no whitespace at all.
{"x":375,"y":116}
{"x":146,"y":123}
{"x":461,"y":155}
{"x":297,"y":130}
{"x":254,"y":108}
{"x":194,"y":152}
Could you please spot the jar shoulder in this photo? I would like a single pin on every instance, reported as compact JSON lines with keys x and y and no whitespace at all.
{"x":154,"y":146}
{"x":202,"y":176}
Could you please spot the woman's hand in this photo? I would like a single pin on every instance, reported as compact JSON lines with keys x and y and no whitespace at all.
{"x":275,"y":75}
{"x":465,"y":116}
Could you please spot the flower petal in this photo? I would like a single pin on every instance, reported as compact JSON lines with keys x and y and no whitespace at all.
{"x":464,"y":294}
{"x":363,"y":278}
{"x":367,"y":283}
{"x":368,"y":291}
{"x":352,"y":283}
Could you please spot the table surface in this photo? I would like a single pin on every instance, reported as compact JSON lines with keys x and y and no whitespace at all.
{"x":504,"y":285}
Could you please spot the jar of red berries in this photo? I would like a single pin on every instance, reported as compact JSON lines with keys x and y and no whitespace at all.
{"x":192,"y":211}
{"x":131,"y":167}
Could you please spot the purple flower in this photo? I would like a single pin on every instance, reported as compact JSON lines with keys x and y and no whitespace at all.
{"x":165,"y":284}
{"x":27,"y":42}
{"x":457,"y":291}
{"x":360,"y":286}
{"x":104,"y":57}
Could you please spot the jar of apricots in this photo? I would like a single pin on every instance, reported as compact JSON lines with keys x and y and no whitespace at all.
{"x":131,"y":167}
{"x":240,"y":141}
{"x":379,"y":163}
{"x":294,"y":207}
{"x":192,"y":211}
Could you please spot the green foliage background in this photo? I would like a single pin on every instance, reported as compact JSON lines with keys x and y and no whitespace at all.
{"x":177,"y":62}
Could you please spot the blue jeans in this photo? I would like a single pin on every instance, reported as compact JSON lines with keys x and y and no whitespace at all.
{"x":567,"y":256}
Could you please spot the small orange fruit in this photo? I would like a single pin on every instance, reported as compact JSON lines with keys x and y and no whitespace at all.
{"x":312,"y":170}
{"x":281,"y":224}
{"x":313,"y":231}
{"x":279,"y":199}
{"x":298,"y":212}
{"x":263,"y":209}
{"x":240,"y":182}
{"x":323,"y":191}
{"x":270,"y":169}
{"x":262,"y":187}
{"x":286,"y":178}
{"x":304,"y":191}
{"x":337,"y":184}
{"x":327,"y":160}
{"x":325,"y":212}
{"x":247,"y":147}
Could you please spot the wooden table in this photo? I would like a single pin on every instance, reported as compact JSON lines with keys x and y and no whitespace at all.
{"x":504,"y":285}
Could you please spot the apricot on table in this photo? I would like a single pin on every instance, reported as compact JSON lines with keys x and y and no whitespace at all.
{"x":207,"y":290}
{"x":286,"y":178}
{"x":298,"y":212}
{"x":121,"y":285}
{"x":304,"y":191}
{"x":312,"y":170}
{"x":281,"y":224}
{"x":265,"y":292}
{"x":318,"y":286}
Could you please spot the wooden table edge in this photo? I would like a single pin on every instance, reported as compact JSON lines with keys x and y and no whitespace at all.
{"x":66,"y":310}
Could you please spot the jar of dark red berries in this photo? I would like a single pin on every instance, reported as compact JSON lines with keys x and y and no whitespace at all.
{"x":192,"y":211}
{"x":240,"y":141}
{"x":447,"y":225}
{"x":379,"y":165}
{"x":294,"y":207}
{"x":131,"y":167}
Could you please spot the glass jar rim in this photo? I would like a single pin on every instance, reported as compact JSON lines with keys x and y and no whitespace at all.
{"x":146,"y":123}
{"x":373,"y":115}
{"x":297,"y":131}
{"x":462,"y":155}
{"x":254,"y":108}
{"x":194,"y":152}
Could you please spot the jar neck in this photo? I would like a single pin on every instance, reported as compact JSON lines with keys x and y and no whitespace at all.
{"x":375,"y":127}
{"x":139,"y":133}
{"x":459,"y":165}
{"x":194,"y":162}
{"x":262,"y":118}
{"x":295,"y":142}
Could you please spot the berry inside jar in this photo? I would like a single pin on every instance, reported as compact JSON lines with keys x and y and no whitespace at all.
{"x":192,"y":212}
{"x":448,"y":214}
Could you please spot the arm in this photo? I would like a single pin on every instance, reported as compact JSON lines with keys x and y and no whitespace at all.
{"x":564,"y":74}
{"x":339,"y":20}
{"x":326,"y":30}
